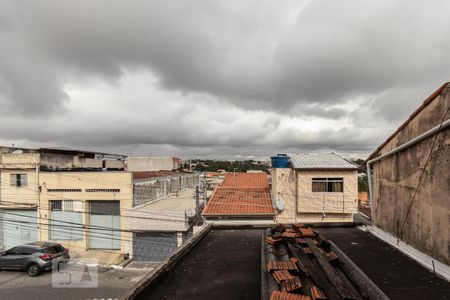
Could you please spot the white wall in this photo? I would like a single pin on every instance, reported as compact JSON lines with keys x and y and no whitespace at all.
{"x":136,"y":164}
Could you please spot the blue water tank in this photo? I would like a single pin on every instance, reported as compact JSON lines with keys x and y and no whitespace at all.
{"x":280,"y":161}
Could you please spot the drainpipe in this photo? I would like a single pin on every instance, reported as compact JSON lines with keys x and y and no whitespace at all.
{"x":408,"y":144}
{"x":369,"y":183}
{"x":39,"y":208}
{"x":296,"y":195}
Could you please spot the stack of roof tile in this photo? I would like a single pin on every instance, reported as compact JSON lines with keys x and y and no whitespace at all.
{"x":289,"y":274}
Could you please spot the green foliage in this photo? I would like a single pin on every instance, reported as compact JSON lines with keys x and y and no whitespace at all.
{"x":229,"y":166}
{"x":363,"y":185}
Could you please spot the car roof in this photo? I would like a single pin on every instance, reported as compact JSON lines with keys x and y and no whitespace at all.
{"x":41,"y":244}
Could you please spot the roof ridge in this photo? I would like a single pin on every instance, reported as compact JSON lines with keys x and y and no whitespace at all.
{"x":425,"y":103}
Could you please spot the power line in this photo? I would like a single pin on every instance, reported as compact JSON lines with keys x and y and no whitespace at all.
{"x":65,"y":198}
{"x":163,"y":216}
{"x":61,"y":230}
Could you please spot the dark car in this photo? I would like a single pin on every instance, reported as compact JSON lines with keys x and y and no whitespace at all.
{"x":34,"y":257}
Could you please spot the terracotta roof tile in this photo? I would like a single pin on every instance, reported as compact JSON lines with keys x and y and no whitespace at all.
{"x":239,"y":201}
{"x":246,"y":180}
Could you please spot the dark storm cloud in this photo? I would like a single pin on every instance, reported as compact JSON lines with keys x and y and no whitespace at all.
{"x":362,"y":64}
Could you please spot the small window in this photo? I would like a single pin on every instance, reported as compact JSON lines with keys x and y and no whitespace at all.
{"x":19,"y":180}
{"x":102,"y":190}
{"x":56,"y":205}
{"x":64,"y":190}
{"x":328,"y":185}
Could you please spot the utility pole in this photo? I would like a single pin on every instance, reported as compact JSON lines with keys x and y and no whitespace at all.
{"x":197,"y":206}
{"x":205,"y":195}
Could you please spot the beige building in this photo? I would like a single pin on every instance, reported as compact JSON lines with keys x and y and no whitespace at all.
{"x":74,"y":197}
{"x":162,"y":225}
{"x":315,"y":188}
{"x":410,"y":190}
{"x":140,"y":164}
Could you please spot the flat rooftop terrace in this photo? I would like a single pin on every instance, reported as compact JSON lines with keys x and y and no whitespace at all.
{"x":226,"y":264}
{"x":397,"y":275}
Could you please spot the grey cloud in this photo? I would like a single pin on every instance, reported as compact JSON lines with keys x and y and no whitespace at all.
{"x":238,"y":52}
{"x":235,"y":68}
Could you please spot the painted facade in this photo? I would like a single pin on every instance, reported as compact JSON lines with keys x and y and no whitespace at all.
{"x":294,"y":188}
{"x":56,"y":205}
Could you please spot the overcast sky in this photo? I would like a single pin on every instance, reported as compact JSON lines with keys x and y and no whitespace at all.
{"x":217,"y":79}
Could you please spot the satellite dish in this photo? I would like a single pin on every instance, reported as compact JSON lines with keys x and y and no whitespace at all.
{"x":190,"y":212}
{"x":280,"y":205}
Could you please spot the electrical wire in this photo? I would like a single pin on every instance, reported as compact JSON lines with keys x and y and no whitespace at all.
{"x":401,"y":232}
{"x":155,"y":212}
{"x":68,"y":229}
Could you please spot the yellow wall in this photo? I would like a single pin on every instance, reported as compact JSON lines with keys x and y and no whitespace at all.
{"x":24,"y":195}
{"x":70,"y":180}
{"x":290,"y":185}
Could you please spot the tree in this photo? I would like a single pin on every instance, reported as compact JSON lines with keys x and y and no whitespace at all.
{"x":363,"y":185}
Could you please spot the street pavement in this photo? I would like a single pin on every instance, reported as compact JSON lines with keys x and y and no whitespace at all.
{"x":111,"y":285}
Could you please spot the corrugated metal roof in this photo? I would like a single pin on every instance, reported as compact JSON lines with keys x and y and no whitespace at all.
{"x":321,"y":161}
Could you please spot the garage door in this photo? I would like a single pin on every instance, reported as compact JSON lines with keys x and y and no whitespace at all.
{"x":153,"y":246}
{"x":19,"y":227}
{"x":104,"y":221}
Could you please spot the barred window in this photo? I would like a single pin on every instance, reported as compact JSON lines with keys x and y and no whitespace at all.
{"x":102,"y":190}
{"x":328,"y":185}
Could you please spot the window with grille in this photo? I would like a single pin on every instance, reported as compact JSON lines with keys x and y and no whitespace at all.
{"x":64,"y":190}
{"x":66,"y":220}
{"x":18,"y":180}
{"x":66,"y":205}
{"x":102,"y":190}
{"x":328,"y":185}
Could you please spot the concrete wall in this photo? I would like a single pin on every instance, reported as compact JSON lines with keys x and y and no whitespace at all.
{"x":20,"y":160}
{"x":145,"y":191}
{"x":284,"y":188}
{"x":396,"y":178}
{"x":310,"y":206}
{"x":136,"y":164}
{"x":114,"y":164}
